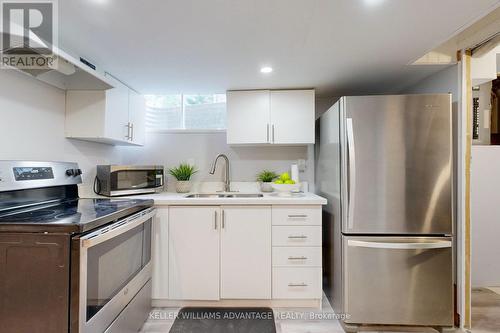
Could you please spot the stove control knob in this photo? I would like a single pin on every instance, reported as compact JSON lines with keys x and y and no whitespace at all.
{"x":70,"y":172}
{"x":78,"y":172}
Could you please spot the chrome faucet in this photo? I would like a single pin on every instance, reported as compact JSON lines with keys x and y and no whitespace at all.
{"x":227,"y":182}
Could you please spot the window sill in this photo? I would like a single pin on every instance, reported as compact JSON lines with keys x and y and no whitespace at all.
{"x":186,"y":131}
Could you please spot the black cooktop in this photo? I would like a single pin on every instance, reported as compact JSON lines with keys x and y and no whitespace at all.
{"x":72,"y":216}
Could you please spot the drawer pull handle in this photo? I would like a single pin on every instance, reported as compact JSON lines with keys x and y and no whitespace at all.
{"x":297,"y":258}
{"x":297,"y":216}
{"x":297,"y":237}
{"x":298,"y":284}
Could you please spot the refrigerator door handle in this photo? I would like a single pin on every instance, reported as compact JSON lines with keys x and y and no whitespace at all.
{"x":400,"y":246}
{"x":352,"y":172}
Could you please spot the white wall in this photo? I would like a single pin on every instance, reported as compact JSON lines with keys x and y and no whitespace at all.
{"x":170,"y":149}
{"x":485,"y":216}
{"x":32,"y":126}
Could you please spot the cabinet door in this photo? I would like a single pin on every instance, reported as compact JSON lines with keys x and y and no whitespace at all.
{"x":160,"y":254}
{"x":117,"y":110}
{"x":292,"y":116}
{"x":246,"y":253}
{"x":248,"y":117}
{"x":193,"y":253}
{"x":137,"y":117}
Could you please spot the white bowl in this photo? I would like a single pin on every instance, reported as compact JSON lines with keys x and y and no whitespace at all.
{"x":286,"y":188}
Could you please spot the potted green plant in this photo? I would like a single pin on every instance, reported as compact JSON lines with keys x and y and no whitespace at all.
{"x":266,"y":178}
{"x":183,"y":174}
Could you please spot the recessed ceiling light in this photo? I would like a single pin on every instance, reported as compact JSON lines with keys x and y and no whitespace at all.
{"x":373,"y":2}
{"x":266,"y":69}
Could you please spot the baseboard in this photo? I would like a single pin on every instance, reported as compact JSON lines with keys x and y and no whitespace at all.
{"x":274,"y":303}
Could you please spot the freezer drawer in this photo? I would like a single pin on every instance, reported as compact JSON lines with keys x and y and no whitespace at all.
{"x":398,"y":280}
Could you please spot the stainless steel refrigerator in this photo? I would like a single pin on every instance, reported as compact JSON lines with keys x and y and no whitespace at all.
{"x":385,"y":165}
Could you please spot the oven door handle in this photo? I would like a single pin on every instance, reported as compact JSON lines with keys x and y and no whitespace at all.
{"x":117,"y":228}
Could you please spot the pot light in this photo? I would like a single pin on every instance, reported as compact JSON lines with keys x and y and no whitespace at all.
{"x":266,"y":70}
{"x":373,"y":2}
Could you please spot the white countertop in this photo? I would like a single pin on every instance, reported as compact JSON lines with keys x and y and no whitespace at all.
{"x":169,"y":198}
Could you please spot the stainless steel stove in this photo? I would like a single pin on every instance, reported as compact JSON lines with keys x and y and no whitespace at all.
{"x":70,"y":264}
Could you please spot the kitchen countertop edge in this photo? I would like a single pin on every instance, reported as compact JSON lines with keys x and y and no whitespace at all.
{"x":170,"y":199}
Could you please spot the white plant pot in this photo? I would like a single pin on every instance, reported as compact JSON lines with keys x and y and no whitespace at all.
{"x":266,"y":187}
{"x":183,"y":186}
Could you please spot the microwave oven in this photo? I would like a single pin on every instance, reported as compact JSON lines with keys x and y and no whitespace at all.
{"x":118,"y":180}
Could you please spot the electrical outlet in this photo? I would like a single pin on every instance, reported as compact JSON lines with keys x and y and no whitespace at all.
{"x":302,"y":165}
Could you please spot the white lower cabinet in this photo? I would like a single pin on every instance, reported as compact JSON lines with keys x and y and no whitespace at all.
{"x":297,"y":283}
{"x":209,"y":253}
{"x":297,"y":256}
{"x":297,"y":260}
{"x":246,"y":253}
{"x":193,"y":253}
{"x":160,"y":254}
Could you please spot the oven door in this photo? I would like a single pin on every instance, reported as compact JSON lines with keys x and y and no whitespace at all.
{"x":115,"y":263}
{"x":134,"y":180}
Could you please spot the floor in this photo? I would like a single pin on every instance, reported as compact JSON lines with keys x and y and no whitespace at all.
{"x":485,"y":310}
{"x":287,"y":321}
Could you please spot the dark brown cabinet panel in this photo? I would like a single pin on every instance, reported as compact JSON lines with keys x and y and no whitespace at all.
{"x":34,"y":283}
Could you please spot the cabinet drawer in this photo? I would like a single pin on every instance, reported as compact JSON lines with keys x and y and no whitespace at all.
{"x":296,"y":215}
{"x":296,"y":236}
{"x":297,"y":256}
{"x":296,"y":283}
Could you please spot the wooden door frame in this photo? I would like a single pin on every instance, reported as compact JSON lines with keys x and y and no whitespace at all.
{"x":463,"y":232}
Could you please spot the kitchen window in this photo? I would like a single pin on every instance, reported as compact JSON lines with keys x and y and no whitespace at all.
{"x":186,"y":112}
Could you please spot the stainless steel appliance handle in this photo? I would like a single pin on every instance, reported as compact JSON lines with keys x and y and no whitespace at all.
{"x":117,"y":228}
{"x":132,"y":131}
{"x":267,"y":133}
{"x":297,"y":258}
{"x":215,"y":220}
{"x":297,"y":216}
{"x":273,"y":132}
{"x":223,"y":219}
{"x":352,"y":172}
{"x":302,"y":284}
{"x":400,"y":246}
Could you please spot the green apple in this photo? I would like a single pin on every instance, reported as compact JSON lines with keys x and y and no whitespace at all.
{"x":279,"y":181}
{"x":285,"y":176}
{"x":290,"y":182}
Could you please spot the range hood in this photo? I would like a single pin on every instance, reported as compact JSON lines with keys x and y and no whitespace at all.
{"x":68,"y":72}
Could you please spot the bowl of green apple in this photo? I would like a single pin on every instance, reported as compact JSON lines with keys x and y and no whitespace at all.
{"x":284,"y":185}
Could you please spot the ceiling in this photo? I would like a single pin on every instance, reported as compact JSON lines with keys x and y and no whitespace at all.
{"x":208,"y":46}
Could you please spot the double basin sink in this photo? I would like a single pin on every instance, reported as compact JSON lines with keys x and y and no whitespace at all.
{"x":225,"y":195}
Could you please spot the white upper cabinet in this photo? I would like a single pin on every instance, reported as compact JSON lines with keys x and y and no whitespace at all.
{"x":114,"y":116}
{"x":248,"y":119}
{"x":292,"y":116}
{"x":270,"y":117}
{"x":137,"y":117}
{"x":117,"y":111}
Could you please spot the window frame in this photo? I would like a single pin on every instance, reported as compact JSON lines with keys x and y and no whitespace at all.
{"x":187,"y":130}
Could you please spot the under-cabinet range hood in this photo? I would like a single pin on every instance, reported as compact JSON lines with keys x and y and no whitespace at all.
{"x":66,"y":72}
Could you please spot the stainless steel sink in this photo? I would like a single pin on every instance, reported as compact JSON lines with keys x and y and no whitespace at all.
{"x":225,"y":195}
